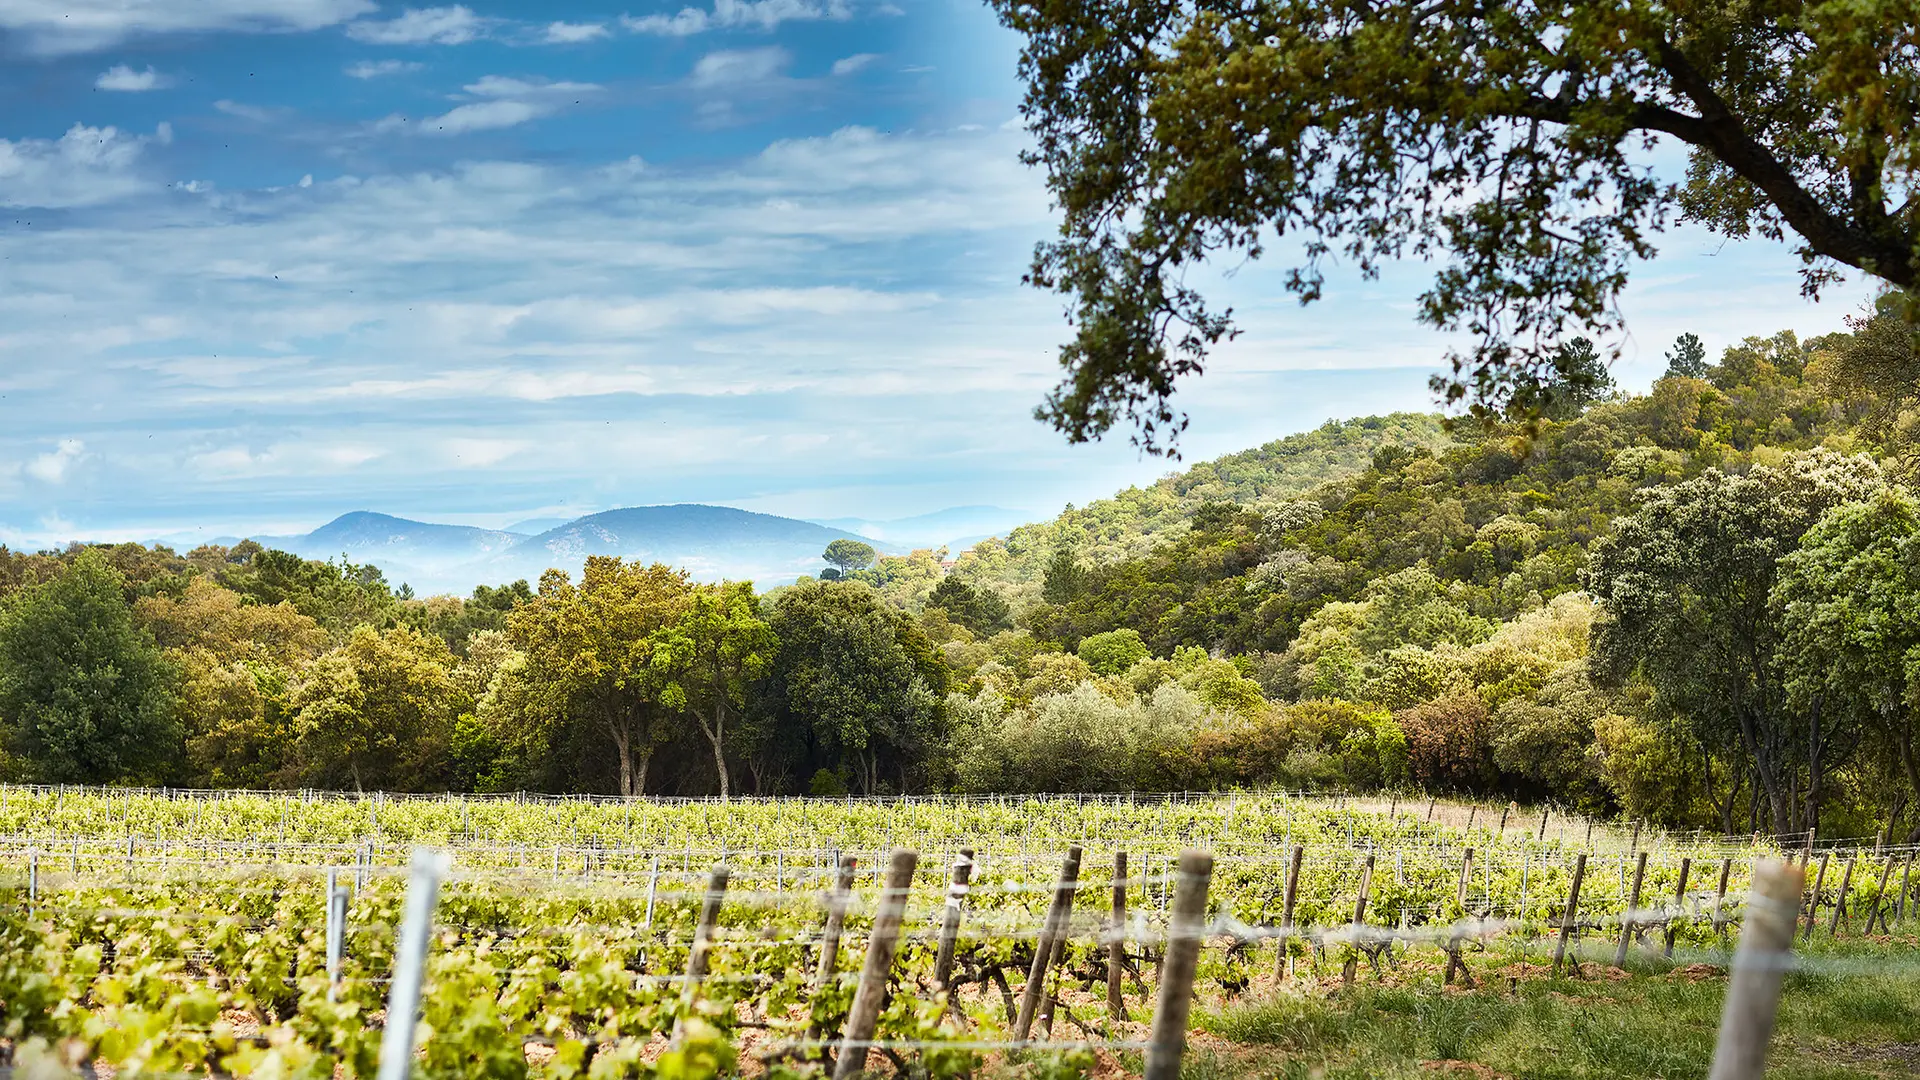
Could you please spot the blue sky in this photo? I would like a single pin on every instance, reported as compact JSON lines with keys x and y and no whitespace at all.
{"x":266,"y":261}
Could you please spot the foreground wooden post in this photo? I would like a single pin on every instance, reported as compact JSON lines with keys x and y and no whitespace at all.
{"x":409,"y":963}
{"x":702,"y":945}
{"x":1359,"y":916}
{"x":1286,"y":912}
{"x":1626,"y":917}
{"x":1571,"y":916}
{"x":1759,"y":967}
{"x":1117,"y":939}
{"x":872,"y":994}
{"x":1819,"y":879}
{"x":1058,"y":915}
{"x":1174,"y":1004}
{"x":950,"y":921}
{"x":1454,"y":962}
{"x":836,"y":919}
{"x":1679,"y":903}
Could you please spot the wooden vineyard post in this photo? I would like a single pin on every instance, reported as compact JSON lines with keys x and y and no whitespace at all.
{"x":1504,"y":811}
{"x":1840,"y":904}
{"x":702,"y":945}
{"x":1430,"y":803}
{"x":1819,"y":879}
{"x":410,"y":962}
{"x":1759,"y":967}
{"x":1626,"y":917}
{"x":863,"y":1018}
{"x":1280,"y":966}
{"x":1058,"y":915}
{"x":1359,"y":915}
{"x":1117,"y":939}
{"x":1720,"y":898}
{"x":1879,"y":909}
{"x":1543,"y":823}
{"x":1679,"y":905}
{"x":1906,"y":872}
{"x":950,"y":923}
{"x":1634,"y":845}
{"x":836,"y":919}
{"x":1454,"y":962}
{"x":1174,"y":1004}
{"x":1570,"y":917}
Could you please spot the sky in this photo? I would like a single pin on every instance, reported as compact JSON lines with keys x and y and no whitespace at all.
{"x":263,"y":262}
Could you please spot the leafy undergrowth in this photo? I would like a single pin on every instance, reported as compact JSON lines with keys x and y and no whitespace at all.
{"x":1849,"y":1012}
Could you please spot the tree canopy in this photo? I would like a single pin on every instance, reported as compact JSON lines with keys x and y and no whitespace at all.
{"x":1506,"y":141}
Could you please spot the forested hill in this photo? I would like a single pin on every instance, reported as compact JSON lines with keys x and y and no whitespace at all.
{"x":1139,"y":519}
{"x":1693,"y":605}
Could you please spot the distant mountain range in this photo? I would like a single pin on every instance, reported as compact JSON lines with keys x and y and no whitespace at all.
{"x":712,"y":542}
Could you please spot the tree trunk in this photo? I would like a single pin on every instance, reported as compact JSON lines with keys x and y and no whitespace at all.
{"x":623,"y":749}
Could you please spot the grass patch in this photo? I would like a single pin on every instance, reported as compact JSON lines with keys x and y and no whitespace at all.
{"x":1849,"y":1013}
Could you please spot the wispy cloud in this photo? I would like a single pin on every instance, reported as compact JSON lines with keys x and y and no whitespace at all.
{"x":504,"y":102}
{"x":86,"y":166}
{"x":739,"y":67}
{"x":71,"y":26}
{"x":454,"y":25}
{"x":122,"y":78}
{"x":258,"y":114}
{"x":566,"y":33}
{"x":847,"y":65}
{"x":736,"y":14}
{"x":374,"y":69}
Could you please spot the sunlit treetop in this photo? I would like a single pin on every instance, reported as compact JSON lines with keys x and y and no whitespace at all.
{"x":1506,"y":141}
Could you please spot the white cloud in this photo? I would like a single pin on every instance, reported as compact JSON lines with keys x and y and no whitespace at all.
{"x":507,"y":102}
{"x":455,"y":25}
{"x":84,"y":167}
{"x":739,"y":67}
{"x":70,"y":26}
{"x":736,"y":14}
{"x":847,"y":65}
{"x":256,"y":113}
{"x":123,"y":78}
{"x":374,"y":69}
{"x":566,"y":33}
{"x":52,"y":467}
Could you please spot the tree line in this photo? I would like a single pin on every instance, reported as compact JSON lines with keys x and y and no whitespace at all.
{"x":1694,"y":605}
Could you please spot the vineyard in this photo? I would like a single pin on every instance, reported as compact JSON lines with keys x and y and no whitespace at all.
{"x":257,"y":934}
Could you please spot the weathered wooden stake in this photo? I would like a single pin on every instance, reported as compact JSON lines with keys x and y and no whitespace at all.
{"x":1571,"y":915}
{"x":836,"y":918}
{"x":1117,"y":939}
{"x":950,"y":922}
{"x":1879,"y":909}
{"x":1720,"y":898}
{"x":1759,"y":967}
{"x":1454,"y":962}
{"x":862,"y":1019}
{"x":1058,"y":916}
{"x":1168,"y":1041}
{"x":1906,"y":871}
{"x":1819,"y":879}
{"x":1840,"y":905}
{"x":1359,"y":917}
{"x":1544,"y":812}
{"x":1626,"y":917}
{"x":702,"y":945}
{"x":1286,"y":912}
{"x":1679,"y":904}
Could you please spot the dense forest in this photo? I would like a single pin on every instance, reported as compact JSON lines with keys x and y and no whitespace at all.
{"x":1700,"y":605}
